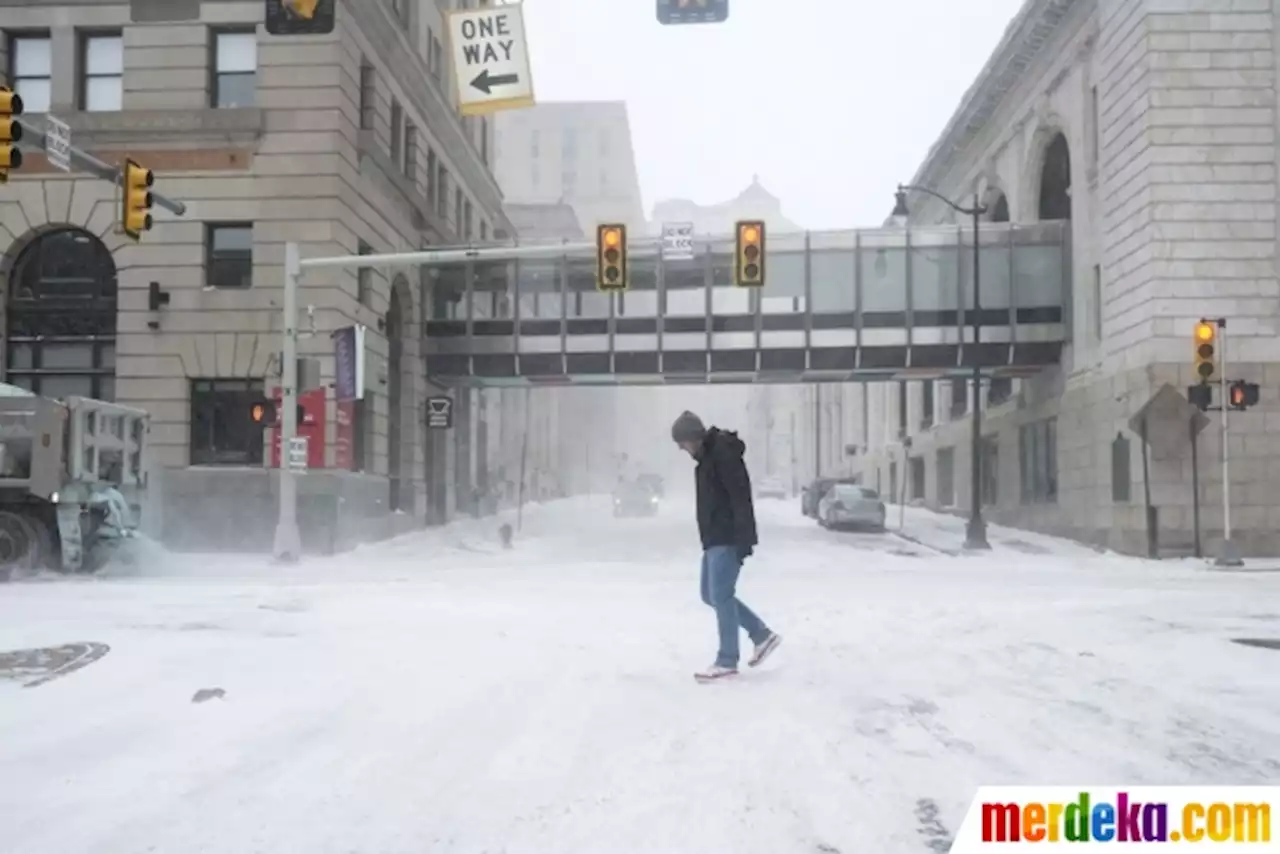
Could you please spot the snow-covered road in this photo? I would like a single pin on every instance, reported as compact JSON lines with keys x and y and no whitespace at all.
{"x":435,"y":694}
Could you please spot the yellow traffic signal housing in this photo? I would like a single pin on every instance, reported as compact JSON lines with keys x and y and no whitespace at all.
{"x":135,"y":214}
{"x":10,"y":132}
{"x":1206,"y":342}
{"x":611,"y":257}
{"x":748,"y":266}
{"x":299,"y":17}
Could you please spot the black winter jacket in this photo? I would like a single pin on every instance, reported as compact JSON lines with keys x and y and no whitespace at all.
{"x":725,"y":513}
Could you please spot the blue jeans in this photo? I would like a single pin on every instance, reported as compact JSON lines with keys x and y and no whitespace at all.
{"x":720,"y":568}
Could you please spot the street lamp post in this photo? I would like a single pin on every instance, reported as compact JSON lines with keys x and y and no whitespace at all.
{"x":976,"y":531}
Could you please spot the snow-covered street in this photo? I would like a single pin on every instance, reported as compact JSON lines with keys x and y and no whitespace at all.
{"x":438,"y":694}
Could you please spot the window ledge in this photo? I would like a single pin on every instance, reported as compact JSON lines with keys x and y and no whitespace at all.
{"x":90,"y":129}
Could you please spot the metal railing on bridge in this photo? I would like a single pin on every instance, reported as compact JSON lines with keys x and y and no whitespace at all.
{"x":847,"y":305}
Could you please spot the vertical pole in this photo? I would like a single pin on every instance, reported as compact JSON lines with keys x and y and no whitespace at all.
{"x":817,"y":430}
{"x":288,"y":543}
{"x":1148,"y":513}
{"x":524,"y":461}
{"x":1195,"y":487}
{"x":1229,"y":556}
{"x":976,"y":533}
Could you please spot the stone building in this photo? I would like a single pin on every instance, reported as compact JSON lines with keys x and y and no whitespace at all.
{"x":346,"y":143}
{"x":1151,"y":126}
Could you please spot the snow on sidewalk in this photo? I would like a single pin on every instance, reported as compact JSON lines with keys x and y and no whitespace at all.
{"x":945,"y":532}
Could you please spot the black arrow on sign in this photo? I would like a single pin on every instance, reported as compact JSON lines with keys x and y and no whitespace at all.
{"x":485,"y":81}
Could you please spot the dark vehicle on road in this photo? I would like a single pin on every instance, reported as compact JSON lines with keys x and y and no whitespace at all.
{"x":812,"y":494}
{"x":653,"y":482}
{"x":634,"y":499}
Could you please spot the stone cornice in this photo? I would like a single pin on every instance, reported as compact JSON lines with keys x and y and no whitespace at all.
{"x":1024,"y":39}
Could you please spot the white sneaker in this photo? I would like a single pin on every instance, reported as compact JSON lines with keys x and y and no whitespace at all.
{"x":715,"y":672}
{"x":764,"y":648}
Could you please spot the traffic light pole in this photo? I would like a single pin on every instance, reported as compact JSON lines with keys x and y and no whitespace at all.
{"x":1229,"y":556}
{"x":288,"y":543}
{"x":33,"y":137}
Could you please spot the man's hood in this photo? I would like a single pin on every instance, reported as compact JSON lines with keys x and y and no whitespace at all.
{"x":725,"y":442}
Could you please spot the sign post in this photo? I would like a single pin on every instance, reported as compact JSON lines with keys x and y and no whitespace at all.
{"x":677,"y":241}
{"x":490,"y":59}
{"x":57,"y":143}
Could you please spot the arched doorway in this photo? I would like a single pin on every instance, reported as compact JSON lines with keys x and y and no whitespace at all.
{"x":60,"y":326}
{"x":1055,"y":180}
{"x":999,"y":208}
{"x":395,"y":323}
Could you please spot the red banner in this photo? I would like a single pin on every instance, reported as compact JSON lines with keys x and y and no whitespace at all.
{"x":311,"y":426}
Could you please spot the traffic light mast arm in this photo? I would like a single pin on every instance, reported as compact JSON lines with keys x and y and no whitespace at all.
{"x":33,"y":137}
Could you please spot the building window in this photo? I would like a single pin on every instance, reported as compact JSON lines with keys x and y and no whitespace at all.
{"x":1038,"y":461}
{"x":31,"y":71}
{"x":411,"y":152}
{"x":959,"y":397}
{"x":484,"y":231}
{"x":102,"y":72}
{"x":442,"y":193}
{"x":229,"y":255}
{"x":1095,"y":135}
{"x":467,"y":215}
{"x":484,"y":140}
{"x":235,"y":68}
{"x":364,"y":276}
{"x":434,"y":51}
{"x":999,"y":390}
{"x":1097,"y":301}
{"x":222,"y":431}
{"x":926,"y":418}
{"x":368,"y":95}
{"x":1121,"y":474}
{"x":457,"y":210}
{"x":431,"y":178}
{"x":902,"y":409}
{"x":989,"y":464}
{"x":397,"y":133}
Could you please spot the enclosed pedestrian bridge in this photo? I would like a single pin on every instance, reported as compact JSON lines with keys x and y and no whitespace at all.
{"x":836,"y":306}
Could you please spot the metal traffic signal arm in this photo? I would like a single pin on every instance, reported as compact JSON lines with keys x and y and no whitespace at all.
{"x":33,"y":137}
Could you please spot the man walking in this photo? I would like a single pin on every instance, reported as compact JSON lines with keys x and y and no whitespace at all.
{"x":727,"y":525}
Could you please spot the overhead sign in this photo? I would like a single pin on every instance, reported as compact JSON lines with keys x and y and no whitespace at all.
{"x":439,"y":413}
{"x":490,"y":59}
{"x":677,"y":241}
{"x":57,"y":143}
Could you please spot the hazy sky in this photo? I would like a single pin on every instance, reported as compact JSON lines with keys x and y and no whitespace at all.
{"x":831,"y":102}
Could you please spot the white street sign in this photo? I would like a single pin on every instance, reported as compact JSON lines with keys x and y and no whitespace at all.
{"x":490,"y":59}
{"x":57,"y":143}
{"x":298,"y":453}
{"x":677,"y":241}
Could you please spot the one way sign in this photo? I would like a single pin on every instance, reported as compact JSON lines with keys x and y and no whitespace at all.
{"x":490,"y":59}
{"x":439,"y":413}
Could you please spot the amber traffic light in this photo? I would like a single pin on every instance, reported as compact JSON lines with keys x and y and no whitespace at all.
{"x":1206,"y":343}
{"x":135,"y":214}
{"x":748,"y":267}
{"x":10,"y":132}
{"x":299,"y":17}
{"x":611,"y":257}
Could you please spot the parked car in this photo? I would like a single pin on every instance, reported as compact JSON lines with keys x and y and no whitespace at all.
{"x":771,"y":487}
{"x":634,"y":499}
{"x":812,"y":494}
{"x":847,"y":505}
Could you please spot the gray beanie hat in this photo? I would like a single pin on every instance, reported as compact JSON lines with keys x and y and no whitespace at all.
{"x":688,"y":428}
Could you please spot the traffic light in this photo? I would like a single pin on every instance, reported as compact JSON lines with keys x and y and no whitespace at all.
{"x":748,"y":268}
{"x":135,"y":213}
{"x":299,"y":17}
{"x":10,"y":132}
{"x":611,"y":257}
{"x":1241,"y":395}
{"x":263,"y":413}
{"x":1206,"y":350}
